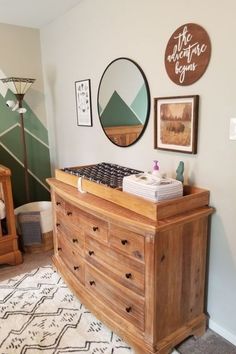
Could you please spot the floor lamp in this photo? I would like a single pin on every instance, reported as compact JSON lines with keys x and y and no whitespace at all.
{"x":19,"y":86}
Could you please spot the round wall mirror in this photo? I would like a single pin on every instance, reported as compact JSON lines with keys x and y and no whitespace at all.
{"x":123,"y":102}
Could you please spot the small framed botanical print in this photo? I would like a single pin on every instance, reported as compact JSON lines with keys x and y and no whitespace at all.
{"x":83,"y":103}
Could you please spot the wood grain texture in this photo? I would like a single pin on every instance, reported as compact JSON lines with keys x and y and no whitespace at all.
{"x":180,"y":278}
{"x":9,"y":252}
{"x":123,"y":135}
{"x":193,"y":198}
{"x":143,"y":278}
{"x":127,"y":242}
{"x":125,"y":303}
{"x":126,"y":271}
{"x":71,"y":257}
{"x":186,"y":69}
{"x":74,"y":234}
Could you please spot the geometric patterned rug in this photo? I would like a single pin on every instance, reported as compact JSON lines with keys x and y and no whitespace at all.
{"x":40,"y":315}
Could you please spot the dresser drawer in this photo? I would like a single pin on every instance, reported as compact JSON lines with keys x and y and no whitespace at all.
{"x":127,"y":241}
{"x":90,"y":224}
{"x":60,"y":204}
{"x":74,"y":235}
{"x":125,"y":303}
{"x":71,"y":257}
{"x":72,"y":214}
{"x":121,"y":268}
{"x":94,"y":226}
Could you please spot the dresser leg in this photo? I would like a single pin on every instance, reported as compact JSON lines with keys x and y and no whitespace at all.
{"x":199,"y":331}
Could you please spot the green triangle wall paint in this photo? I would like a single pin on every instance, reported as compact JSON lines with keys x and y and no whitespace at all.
{"x":37,"y":191}
{"x":140,"y":104}
{"x":11,"y":151}
{"x":117,"y":113}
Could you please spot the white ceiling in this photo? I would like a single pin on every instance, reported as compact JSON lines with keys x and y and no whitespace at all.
{"x":33,"y":13}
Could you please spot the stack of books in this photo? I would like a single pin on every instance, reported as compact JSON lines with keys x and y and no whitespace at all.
{"x":151,"y":187}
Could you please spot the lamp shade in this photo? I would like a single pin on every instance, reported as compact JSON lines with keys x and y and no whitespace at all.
{"x":18,"y":85}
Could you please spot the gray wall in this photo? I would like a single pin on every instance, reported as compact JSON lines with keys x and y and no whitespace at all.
{"x":82,"y":43}
{"x":21,"y":57}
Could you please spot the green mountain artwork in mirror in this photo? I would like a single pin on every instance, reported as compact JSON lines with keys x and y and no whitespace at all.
{"x":123,"y":102}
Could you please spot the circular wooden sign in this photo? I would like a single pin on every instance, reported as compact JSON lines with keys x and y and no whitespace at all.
{"x":187,"y":54}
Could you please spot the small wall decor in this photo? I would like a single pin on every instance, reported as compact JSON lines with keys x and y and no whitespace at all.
{"x":83,"y":103}
{"x":187,"y":54}
{"x":176,"y":122}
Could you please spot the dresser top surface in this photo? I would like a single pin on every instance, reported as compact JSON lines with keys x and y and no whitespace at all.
{"x":167,"y":211}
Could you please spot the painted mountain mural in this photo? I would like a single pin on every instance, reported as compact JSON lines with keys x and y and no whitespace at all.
{"x":117,"y":113}
{"x":140,"y":104}
{"x":11,"y":151}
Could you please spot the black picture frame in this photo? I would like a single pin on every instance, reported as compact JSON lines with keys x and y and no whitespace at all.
{"x":176,"y":123}
{"x":83,"y":103}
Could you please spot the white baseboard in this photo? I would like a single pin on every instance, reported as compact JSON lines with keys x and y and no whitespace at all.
{"x":222,"y":332}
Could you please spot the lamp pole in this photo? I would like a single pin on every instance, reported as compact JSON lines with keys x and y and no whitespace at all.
{"x":25,"y":158}
{"x":19,"y":86}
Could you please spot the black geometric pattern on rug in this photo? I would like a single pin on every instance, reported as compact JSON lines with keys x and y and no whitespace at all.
{"x":39,"y":314}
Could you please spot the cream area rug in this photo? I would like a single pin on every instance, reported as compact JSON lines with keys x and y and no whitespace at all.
{"x":39,"y":314}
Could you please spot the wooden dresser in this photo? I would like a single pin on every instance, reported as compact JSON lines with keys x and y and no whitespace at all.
{"x":143,"y":277}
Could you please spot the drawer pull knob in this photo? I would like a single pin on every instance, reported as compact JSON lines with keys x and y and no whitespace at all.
{"x":91,"y":253}
{"x":76,"y":267}
{"x":124,"y":242}
{"x":95,"y":228}
{"x":92,"y":282}
{"x":59,"y":249}
{"x":75,"y":240}
{"x":128,"y":275}
{"x":128,"y":309}
{"x":57,"y":224}
{"x":58,"y":203}
{"x":69,"y":213}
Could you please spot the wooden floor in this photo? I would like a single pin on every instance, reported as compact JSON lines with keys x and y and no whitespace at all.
{"x":30,"y":262}
{"x":210,"y":343}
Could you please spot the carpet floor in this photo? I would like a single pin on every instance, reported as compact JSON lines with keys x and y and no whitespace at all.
{"x":209,"y":343}
{"x":39,"y":314}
